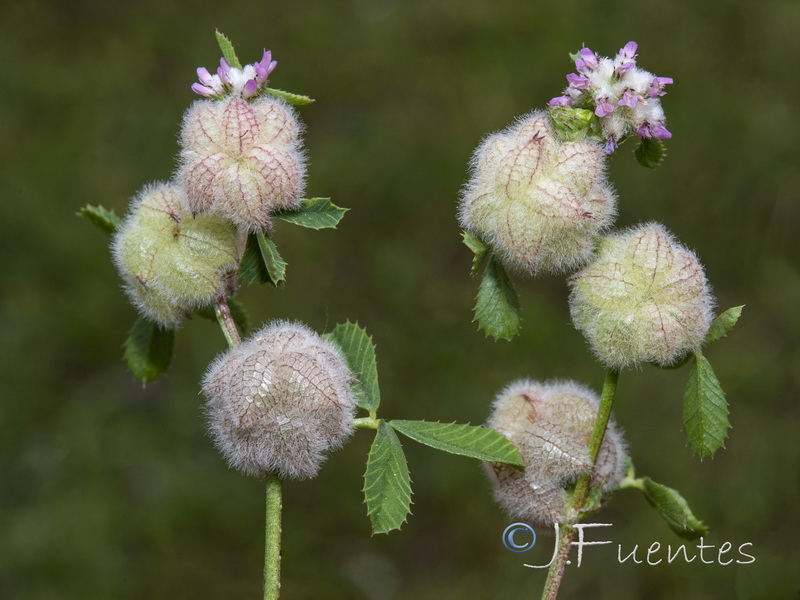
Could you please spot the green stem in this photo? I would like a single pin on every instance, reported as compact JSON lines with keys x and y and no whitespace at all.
{"x":225,"y":320}
{"x":366,"y":423}
{"x":574,"y":507}
{"x":272,"y":539}
{"x":274,"y":504}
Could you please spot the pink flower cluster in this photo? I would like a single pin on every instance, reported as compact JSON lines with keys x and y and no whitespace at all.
{"x":245,"y":82}
{"x":624,"y":97}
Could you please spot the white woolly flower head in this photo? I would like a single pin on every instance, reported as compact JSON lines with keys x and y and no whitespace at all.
{"x":625,"y":98}
{"x":550,"y":423}
{"x":644,"y":298}
{"x":537,"y":201}
{"x":171,"y":262}
{"x":242,"y":160}
{"x":279,"y":401}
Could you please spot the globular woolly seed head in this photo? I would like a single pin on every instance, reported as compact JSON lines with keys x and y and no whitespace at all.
{"x":172,"y":263}
{"x":242,"y":159}
{"x":643,"y":298}
{"x":537,"y":201}
{"x":551,"y":424}
{"x":279,"y":401}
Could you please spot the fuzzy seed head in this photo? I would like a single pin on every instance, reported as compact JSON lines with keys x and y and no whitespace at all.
{"x":643,"y":298}
{"x":550,"y":423}
{"x":279,"y":401}
{"x":172,"y":263}
{"x":242,"y":160}
{"x":537,"y":201}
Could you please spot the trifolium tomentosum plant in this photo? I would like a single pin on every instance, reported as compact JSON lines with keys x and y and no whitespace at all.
{"x":538,"y":201}
{"x":280,"y":400}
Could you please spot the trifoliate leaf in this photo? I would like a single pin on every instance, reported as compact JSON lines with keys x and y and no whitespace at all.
{"x":705,"y":410}
{"x":479,"y":248}
{"x":261,"y":262}
{"x":650,"y":152}
{"x":387,"y":483}
{"x":226,"y":47}
{"x":102,"y":218}
{"x":314,"y":213}
{"x":723,"y":324}
{"x":464,"y":440}
{"x":675,"y":510}
{"x":294,"y":99}
{"x":148,"y":349}
{"x":359,"y":351}
{"x":497,"y":305}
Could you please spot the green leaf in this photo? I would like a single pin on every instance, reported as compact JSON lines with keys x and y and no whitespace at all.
{"x":359,"y":351}
{"x":674,"y":509}
{"x":261,"y":262}
{"x":148,"y":349}
{"x":102,"y":218}
{"x":276,"y":266}
{"x":479,"y":248}
{"x":464,"y":440}
{"x":387,"y":483}
{"x":705,"y":411}
{"x":295,"y":99}
{"x":314,"y":213}
{"x":252,"y":267}
{"x":650,"y":152}
{"x":497,"y":305}
{"x":723,"y":324}
{"x":226,"y":47}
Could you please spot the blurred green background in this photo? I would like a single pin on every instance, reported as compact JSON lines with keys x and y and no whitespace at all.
{"x":108,"y":490}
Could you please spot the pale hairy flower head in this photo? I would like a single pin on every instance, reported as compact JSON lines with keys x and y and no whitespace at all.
{"x":643,"y":298}
{"x":550,"y":423}
{"x":171,"y":262}
{"x":242,"y":159}
{"x":537,"y":201}
{"x":279,"y":401}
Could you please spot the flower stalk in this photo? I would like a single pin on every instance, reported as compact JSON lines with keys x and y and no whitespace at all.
{"x":272,"y":539}
{"x":226,"y":323}
{"x":556,"y":572}
{"x":274,"y":489}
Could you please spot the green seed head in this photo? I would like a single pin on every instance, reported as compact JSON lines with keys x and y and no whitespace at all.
{"x":172,"y":263}
{"x":539,"y":202}
{"x":550,"y":424}
{"x":644,"y":298}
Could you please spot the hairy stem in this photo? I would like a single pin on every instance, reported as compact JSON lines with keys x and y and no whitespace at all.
{"x":225,"y":320}
{"x":575,"y":505}
{"x":274,"y":504}
{"x":272,"y":539}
